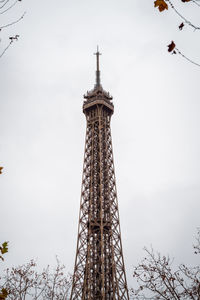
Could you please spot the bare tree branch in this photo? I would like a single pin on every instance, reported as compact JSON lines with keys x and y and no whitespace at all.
{"x":4,"y":3}
{"x":182,"y":17}
{"x":157,"y":280}
{"x":12,"y":38}
{"x":195,"y":2}
{"x":2,"y":12}
{"x":10,"y":24}
{"x":5,"y":49}
{"x":24,"y":282}
{"x":188,"y":59}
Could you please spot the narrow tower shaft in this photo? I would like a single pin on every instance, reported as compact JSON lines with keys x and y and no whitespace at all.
{"x":99,"y":272}
{"x":98,"y":70}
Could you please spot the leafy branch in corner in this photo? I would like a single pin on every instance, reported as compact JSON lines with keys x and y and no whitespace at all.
{"x":3,"y":250}
{"x":163,"y":5}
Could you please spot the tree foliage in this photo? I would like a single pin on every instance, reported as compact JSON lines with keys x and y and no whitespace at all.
{"x":3,"y":250}
{"x":3,"y":294}
{"x":161,"y":4}
{"x":157,"y":278}
{"x":24,"y":282}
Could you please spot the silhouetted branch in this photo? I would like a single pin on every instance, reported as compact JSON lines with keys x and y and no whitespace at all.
{"x":195,"y":2}
{"x":182,"y":17}
{"x":12,"y":39}
{"x":10,"y":24}
{"x":157,"y":280}
{"x":2,"y":12}
{"x":4,"y":4}
{"x":24,"y":282}
{"x":188,"y":59}
{"x":5,"y":49}
{"x":6,"y":9}
{"x":162,"y":5}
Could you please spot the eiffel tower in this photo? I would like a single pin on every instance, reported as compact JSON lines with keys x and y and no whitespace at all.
{"x":99,"y":272}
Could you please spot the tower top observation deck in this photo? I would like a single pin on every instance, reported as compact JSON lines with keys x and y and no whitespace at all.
{"x":97,"y":95}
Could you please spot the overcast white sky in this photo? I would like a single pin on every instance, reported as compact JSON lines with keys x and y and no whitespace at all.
{"x":155,"y":127}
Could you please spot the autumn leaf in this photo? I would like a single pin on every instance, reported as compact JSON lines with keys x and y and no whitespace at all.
{"x":3,"y":249}
{"x":1,"y":168}
{"x":161,"y":4}
{"x":181,"y":26}
{"x":171,"y":47}
{"x":3,"y":294}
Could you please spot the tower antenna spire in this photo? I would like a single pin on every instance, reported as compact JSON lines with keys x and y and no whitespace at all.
{"x":98,"y":83}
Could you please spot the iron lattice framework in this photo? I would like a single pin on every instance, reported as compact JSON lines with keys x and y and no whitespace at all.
{"x":99,"y":272}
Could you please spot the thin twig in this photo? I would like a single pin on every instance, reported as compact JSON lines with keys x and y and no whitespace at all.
{"x":4,"y":3}
{"x":9,"y":7}
{"x":10,"y":24}
{"x":188,"y":59}
{"x":182,"y":17}
{"x":195,"y":2}
{"x":6,"y":49}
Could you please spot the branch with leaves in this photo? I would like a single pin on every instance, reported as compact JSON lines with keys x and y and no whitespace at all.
{"x":3,"y":250}
{"x":163,"y":5}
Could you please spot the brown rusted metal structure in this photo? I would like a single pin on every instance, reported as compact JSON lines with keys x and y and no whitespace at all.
{"x":99,"y":272}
